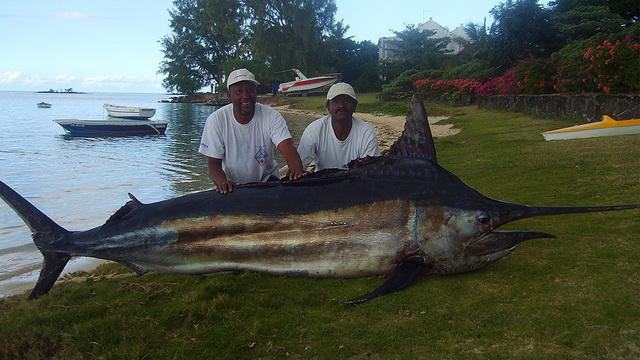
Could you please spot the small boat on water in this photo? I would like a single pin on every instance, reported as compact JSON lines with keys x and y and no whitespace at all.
{"x":304,"y":85}
{"x":112,"y":127}
{"x":606,"y":127}
{"x":43,"y":105}
{"x":129,"y":112}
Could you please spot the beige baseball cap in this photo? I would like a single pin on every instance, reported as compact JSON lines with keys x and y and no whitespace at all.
{"x":239,"y":75}
{"x":341,"y":88}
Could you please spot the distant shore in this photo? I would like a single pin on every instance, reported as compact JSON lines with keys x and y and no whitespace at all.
{"x":51,"y":91}
{"x":198,"y":98}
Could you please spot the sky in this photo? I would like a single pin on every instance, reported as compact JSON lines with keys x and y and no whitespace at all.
{"x":113,"y":45}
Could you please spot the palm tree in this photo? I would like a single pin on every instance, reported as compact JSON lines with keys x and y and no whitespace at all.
{"x":478,"y":42}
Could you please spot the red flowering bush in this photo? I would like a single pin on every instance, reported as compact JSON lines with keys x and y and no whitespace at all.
{"x":610,"y":67}
{"x":507,"y":84}
{"x":453,"y":89}
{"x":532,"y":76}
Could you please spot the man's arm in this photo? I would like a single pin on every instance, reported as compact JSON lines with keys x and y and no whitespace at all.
{"x":292,"y":158}
{"x":218,"y":176}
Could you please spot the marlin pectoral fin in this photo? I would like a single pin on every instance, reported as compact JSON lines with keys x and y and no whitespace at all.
{"x":54,"y":263}
{"x":137,"y":268}
{"x":402,"y":275}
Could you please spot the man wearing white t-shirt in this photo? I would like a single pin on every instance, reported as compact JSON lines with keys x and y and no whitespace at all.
{"x":239,"y":138}
{"x":335,"y":139}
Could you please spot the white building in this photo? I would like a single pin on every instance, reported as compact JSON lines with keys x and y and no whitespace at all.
{"x":384,"y":43}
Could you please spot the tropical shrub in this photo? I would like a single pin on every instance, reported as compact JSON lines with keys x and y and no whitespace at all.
{"x":402,"y":86}
{"x":453,"y":89}
{"x":474,"y":69}
{"x":612,"y":66}
{"x":532,"y":76}
{"x":507,"y":84}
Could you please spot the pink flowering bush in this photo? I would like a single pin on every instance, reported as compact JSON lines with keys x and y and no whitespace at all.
{"x":610,"y":67}
{"x":453,"y":89}
{"x":532,"y":76}
{"x":507,"y":84}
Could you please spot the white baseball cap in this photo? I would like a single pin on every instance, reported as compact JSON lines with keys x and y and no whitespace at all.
{"x":239,"y":75}
{"x":341,"y":88}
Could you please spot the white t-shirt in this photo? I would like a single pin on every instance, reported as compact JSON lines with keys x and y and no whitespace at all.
{"x":320,"y":144}
{"x":246,"y":150}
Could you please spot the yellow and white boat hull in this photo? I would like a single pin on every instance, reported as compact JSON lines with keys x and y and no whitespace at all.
{"x":606,"y":127}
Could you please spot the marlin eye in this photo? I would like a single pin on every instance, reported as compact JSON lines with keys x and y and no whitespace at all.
{"x":483,"y":219}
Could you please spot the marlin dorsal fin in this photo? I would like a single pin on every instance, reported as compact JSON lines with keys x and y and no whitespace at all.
{"x":416,"y":140}
{"x":125,"y":209}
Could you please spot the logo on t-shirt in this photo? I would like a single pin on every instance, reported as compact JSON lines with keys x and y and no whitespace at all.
{"x":261,"y":156}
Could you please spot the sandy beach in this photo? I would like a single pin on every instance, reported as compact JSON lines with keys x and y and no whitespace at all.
{"x":387,"y":127}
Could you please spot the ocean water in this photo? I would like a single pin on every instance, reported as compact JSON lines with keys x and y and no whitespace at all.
{"x":81,"y":182}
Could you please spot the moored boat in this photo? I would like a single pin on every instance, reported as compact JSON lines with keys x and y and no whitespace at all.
{"x":129,"y":112}
{"x":112,"y":127}
{"x":305,"y":85}
{"x":606,"y":127}
{"x":43,"y":105}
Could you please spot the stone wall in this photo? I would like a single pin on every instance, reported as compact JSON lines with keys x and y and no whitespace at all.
{"x":579,"y":107}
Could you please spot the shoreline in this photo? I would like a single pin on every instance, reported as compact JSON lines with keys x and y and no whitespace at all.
{"x":24,"y":283}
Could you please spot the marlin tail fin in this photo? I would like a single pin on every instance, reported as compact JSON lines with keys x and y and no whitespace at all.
{"x":48,"y":236}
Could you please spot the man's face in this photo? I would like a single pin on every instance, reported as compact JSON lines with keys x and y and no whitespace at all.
{"x":243,"y":96}
{"x":342,"y":108}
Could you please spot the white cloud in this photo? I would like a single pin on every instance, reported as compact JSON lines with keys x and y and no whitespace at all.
{"x":120,"y":81}
{"x":65,"y":77}
{"x":34,"y":81}
{"x":104,"y":79}
{"x":18,"y":80}
{"x":112,"y":79}
{"x":72,"y":15}
{"x":8,"y":77}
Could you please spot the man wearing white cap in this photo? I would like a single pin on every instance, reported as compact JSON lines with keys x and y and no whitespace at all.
{"x":239,"y":138}
{"x":335,"y":139}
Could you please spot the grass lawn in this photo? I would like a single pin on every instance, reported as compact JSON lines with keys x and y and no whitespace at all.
{"x":574,"y":297}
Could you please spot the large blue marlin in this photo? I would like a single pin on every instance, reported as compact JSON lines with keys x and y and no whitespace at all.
{"x":400,"y":214}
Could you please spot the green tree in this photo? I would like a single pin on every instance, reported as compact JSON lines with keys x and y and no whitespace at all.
{"x":211,"y":37}
{"x":521,"y":29}
{"x":287,"y":34}
{"x":583,"y":22}
{"x":629,"y":10}
{"x":414,"y":50}
{"x":472,"y":62}
{"x":477,"y":44}
{"x":356,"y":61}
{"x":205,"y":35}
{"x":366,"y":61}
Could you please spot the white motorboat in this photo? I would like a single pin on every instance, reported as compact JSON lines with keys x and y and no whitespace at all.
{"x":129,"y":112}
{"x":305,"y":85}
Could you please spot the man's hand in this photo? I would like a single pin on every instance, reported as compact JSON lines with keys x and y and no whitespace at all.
{"x":292,"y":158}
{"x":225,"y":187}
{"x":294,"y":174}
